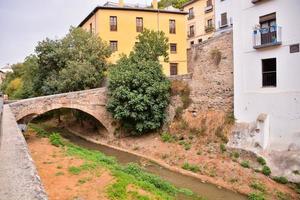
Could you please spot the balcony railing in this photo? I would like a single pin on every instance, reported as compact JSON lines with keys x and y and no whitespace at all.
{"x":265,"y":37}
{"x":209,"y":28}
{"x":208,"y":8}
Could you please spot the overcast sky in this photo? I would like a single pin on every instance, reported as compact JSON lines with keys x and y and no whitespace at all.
{"x":25,"y":22}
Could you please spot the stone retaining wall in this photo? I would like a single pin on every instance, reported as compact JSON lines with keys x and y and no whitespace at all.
{"x":212,"y":84}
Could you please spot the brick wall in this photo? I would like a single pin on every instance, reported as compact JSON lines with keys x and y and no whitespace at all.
{"x":212,"y":84}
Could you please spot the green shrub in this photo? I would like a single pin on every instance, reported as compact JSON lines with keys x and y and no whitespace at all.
{"x":39,"y":131}
{"x":167,"y":137}
{"x":266,"y":170}
{"x":245,"y":164}
{"x":280,"y":179}
{"x":258,"y":186}
{"x":190,"y":167}
{"x":261,"y":160}
{"x":74,"y":170}
{"x":256,"y":196}
{"x":223,"y":148}
{"x":282,"y":196}
{"x":236,"y":154}
{"x":56,"y":140}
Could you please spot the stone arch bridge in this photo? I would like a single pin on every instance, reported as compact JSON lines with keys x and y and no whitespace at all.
{"x":91,"y":101}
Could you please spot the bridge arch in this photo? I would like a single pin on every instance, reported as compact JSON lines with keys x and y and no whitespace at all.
{"x":92,"y":102}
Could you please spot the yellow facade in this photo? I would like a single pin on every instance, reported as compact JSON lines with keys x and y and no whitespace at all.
{"x":203,"y":12}
{"x":126,"y":33}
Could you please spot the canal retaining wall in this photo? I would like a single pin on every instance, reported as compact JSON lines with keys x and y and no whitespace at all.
{"x":18,"y":175}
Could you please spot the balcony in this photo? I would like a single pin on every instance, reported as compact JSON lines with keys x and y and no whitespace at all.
{"x":208,"y":8}
{"x":209,"y":28}
{"x":256,"y":1}
{"x":266,"y":37}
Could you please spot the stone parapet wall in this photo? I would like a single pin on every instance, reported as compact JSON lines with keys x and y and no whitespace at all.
{"x":212,"y":83}
{"x":18,"y":175}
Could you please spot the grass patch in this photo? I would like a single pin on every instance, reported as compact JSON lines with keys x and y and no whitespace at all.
{"x":280,"y":179}
{"x":256,"y":196}
{"x":187,"y":146}
{"x":261,"y":161}
{"x":245,"y":164}
{"x":282,"y":196}
{"x":167,"y":137}
{"x":39,"y":131}
{"x":222,"y":148}
{"x":258,"y":186}
{"x":56,"y":140}
{"x":131,"y":174}
{"x":190,"y":167}
{"x":59,"y":173}
{"x":266,"y":170}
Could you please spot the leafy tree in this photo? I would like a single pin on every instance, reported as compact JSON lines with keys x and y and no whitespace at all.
{"x":75,"y":62}
{"x":138,"y":89}
{"x":174,"y":3}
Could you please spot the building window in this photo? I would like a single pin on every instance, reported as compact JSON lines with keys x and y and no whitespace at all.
{"x":192,"y":31}
{"x":173,"y":69}
{"x":172,"y":26}
{"x":192,"y":43}
{"x":113,"y":45}
{"x":139,"y":24}
{"x":209,"y":23}
{"x":113,"y":23}
{"x":173,"y":48}
{"x":224,"y":21}
{"x":191,"y":13}
{"x":268,"y":28}
{"x":269,"y":72}
{"x":199,"y":41}
{"x":208,"y":3}
{"x":91,"y":28}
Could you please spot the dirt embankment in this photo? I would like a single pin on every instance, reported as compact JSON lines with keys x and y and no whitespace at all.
{"x":198,"y":141}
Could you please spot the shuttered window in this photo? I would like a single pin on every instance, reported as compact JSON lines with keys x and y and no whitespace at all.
{"x":173,"y":69}
{"x":113,"y":23}
{"x":224,"y":21}
{"x":172,"y":26}
{"x":139,"y":24}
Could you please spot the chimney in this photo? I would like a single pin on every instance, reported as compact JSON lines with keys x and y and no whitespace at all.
{"x":154,"y":4}
{"x":121,"y":3}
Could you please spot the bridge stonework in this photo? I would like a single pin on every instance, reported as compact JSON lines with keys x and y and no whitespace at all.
{"x":91,"y":101}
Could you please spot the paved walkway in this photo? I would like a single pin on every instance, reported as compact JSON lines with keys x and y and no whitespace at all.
{"x":18,"y":176}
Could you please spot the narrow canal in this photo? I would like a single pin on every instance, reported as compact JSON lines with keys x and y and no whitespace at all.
{"x":207,"y":190}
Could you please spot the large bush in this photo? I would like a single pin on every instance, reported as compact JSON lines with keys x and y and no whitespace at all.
{"x":138,"y":89}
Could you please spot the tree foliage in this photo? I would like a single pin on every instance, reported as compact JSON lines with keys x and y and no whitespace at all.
{"x":174,"y":3}
{"x":138,"y":89}
{"x":75,"y":62}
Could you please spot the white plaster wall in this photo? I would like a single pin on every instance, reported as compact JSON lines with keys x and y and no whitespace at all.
{"x":282,"y":103}
{"x":222,"y":7}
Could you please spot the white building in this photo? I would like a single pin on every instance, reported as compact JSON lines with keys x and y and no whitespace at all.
{"x":223,"y":15}
{"x":266,"y":36}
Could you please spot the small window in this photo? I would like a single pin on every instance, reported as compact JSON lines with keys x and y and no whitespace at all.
{"x":173,"y":69}
{"x":210,"y":23}
{"x":192,"y":31}
{"x":269,"y":72}
{"x":173,"y":48}
{"x":191,"y":13}
{"x":172,"y":26}
{"x":139,"y":24}
{"x":209,"y":3}
{"x":199,"y":41}
{"x":113,"y":23}
{"x":91,"y":28}
{"x":113,"y":45}
{"x":224,"y":21}
{"x":192,"y":43}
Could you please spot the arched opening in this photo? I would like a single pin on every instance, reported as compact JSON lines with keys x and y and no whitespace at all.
{"x":70,"y":119}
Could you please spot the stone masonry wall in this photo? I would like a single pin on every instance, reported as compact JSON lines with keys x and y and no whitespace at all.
{"x":212,"y":84}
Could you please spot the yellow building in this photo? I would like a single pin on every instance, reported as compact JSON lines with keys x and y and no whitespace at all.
{"x":119,"y":25}
{"x":200,"y":20}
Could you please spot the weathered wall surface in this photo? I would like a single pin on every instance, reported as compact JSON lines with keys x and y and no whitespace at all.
{"x":92,"y":102}
{"x":212,"y":84}
{"x":18,"y":175}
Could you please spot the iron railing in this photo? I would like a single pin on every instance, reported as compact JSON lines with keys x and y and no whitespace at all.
{"x":264,"y":37}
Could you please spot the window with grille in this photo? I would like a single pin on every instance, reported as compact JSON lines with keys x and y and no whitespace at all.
{"x":224,"y":21}
{"x":192,"y":31}
{"x":173,"y":48}
{"x":139,"y":24}
{"x":209,"y":23}
{"x":191,"y":13}
{"x":173,"y":69}
{"x":113,"y":45}
{"x":172,"y":26}
{"x":113,"y":23}
{"x":269,"y":78}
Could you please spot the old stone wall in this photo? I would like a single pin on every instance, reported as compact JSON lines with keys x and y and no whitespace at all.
{"x":212,"y":81}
